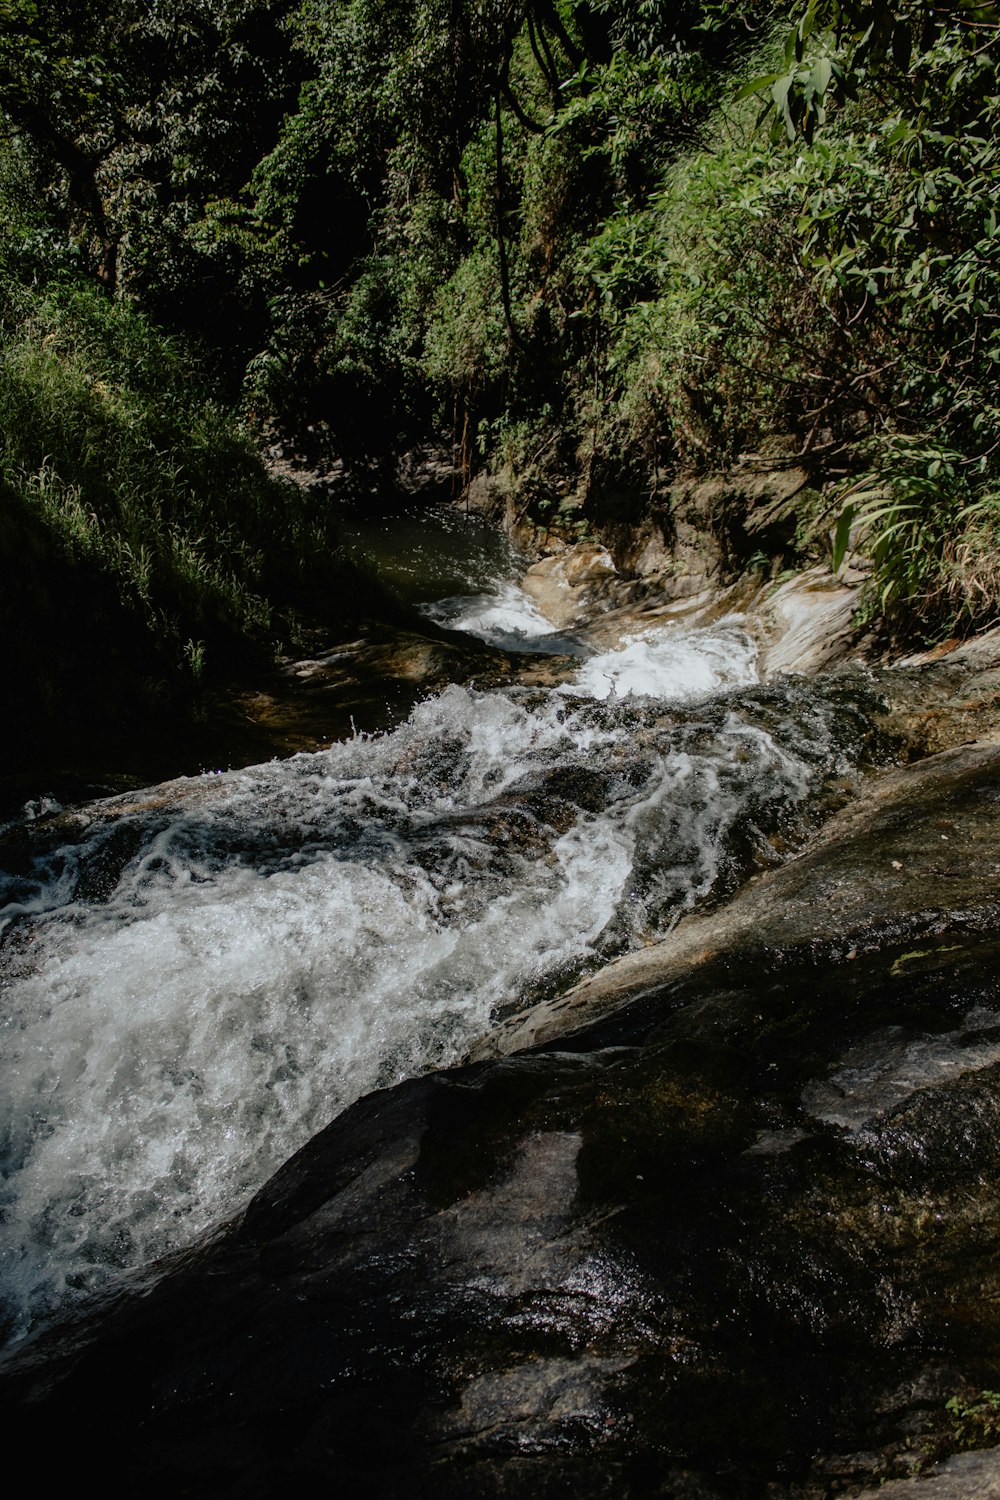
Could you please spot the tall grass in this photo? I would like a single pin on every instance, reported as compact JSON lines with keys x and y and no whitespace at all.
{"x":145,"y":551}
{"x":112,"y":447}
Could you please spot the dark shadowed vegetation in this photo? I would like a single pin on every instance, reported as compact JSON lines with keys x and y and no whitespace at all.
{"x":587,"y":246}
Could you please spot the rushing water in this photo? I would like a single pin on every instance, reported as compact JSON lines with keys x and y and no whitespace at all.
{"x":195,"y":981}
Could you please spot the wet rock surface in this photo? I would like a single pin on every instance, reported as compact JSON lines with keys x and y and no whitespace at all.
{"x":729,"y":1231}
{"x":967,"y":1476}
{"x":719,"y":1223}
{"x":804,"y":624}
{"x":913,"y":858}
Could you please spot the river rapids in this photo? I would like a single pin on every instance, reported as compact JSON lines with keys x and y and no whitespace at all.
{"x":197,"y":979}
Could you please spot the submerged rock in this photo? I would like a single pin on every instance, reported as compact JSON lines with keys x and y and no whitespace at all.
{"x":732,"y":1238}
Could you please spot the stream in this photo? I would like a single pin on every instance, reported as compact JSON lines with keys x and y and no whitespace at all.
{"x":197,"y":978}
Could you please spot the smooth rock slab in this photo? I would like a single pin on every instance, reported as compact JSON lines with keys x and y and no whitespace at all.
{"x":734,"y":1238}
{"x":967,"y":1476}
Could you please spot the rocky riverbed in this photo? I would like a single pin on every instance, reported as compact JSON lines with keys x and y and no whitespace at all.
{"x":718,"y":1221}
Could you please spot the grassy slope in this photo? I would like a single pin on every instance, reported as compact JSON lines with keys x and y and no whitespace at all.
{"x":145,"y":550}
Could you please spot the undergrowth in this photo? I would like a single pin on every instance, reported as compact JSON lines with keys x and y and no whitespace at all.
{"x":648,"y":282}
{"x":146,"y":549}
{"x":967,"y":1423}
{"x":592,"y":248}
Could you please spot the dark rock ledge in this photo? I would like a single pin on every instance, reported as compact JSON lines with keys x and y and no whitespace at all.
{"x":735,"y":1235}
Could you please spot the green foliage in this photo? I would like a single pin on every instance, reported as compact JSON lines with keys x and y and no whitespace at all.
{"x":466,"y":341}
{"x":113,"y":453}
{"x":137,"y":115}
{"x":843,"y":292}
{"x":479,"y":145}
{"x":546,"y":231}
{"x":967,"y":1423}
{"x":976,"y":1423}
{"x":933,"y":536}
{"x":637,"y":113}
{"x":906,"y":243}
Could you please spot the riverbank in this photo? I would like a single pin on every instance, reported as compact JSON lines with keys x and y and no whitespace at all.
{"x":411,"y":546}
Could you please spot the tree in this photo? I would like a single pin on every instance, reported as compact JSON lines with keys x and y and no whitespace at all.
{"x":59,"y":88}
{"x":134,"y":107}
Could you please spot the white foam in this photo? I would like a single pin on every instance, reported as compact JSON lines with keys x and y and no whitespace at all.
{"x":669,"y":662}
{"x":272,"y":943}
{"x":504,"y":616}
